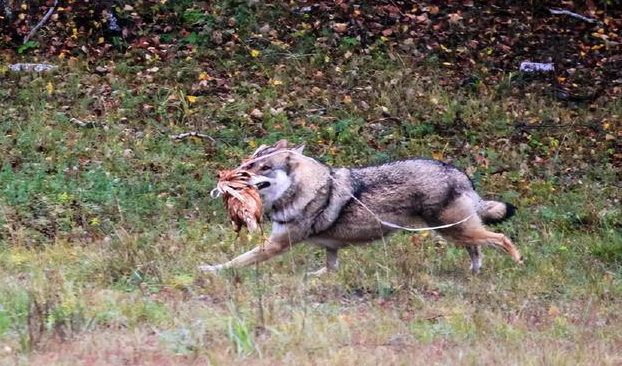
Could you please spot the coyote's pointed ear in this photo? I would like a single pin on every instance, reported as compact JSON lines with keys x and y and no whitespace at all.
{"x":259,"y":150}
{"x":299,"y":148}
{"x":281,"y":144}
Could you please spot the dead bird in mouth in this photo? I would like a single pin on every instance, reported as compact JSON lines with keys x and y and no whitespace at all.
{"x":241,"y":199}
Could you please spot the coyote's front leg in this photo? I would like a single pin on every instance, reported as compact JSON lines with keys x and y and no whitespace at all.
{"x":275,"y":245}
{"x":332,"y":263}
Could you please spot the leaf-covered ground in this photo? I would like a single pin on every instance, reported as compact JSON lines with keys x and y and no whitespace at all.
{"x":473,"y":43}
{"x":102,"y":225}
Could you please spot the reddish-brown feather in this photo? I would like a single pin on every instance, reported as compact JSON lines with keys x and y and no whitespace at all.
{"x":241,"y":200}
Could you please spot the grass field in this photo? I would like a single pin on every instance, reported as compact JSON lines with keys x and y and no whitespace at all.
{"x":102,"y":227}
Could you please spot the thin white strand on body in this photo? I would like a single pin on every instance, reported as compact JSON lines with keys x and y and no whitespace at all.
{"x":385,"y":223}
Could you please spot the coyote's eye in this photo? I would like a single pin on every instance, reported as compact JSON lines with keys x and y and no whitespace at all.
{"x":265,"y":168}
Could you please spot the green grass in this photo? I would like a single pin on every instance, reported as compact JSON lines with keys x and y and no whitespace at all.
{"x":101,"y":229}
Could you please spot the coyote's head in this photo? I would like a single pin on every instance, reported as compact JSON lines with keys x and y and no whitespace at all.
{"x":274,"y":169}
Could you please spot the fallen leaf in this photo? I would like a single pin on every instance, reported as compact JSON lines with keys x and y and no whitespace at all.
{"x":340,"y":27}
{"x":454,"y":18}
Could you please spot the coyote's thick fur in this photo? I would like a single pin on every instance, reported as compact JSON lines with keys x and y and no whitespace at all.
{"x":311,"y":202}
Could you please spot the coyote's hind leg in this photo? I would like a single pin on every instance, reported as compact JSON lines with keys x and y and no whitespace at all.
{"x":475,"y":253}
{"x":473,"y":233}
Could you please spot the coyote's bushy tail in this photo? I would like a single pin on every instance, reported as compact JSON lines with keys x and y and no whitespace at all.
{"x":494,"y":212}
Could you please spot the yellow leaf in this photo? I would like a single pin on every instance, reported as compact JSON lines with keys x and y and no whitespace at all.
{"x":18,"y":258}
{"x":24,"y":6}
{"x":345,"y":318}
{"x":49,"y":88}
{"x":100,"y":40}
{"x":277,"y":82}
{"x":255,"y":53}
{"x":425,"y":233}
{"x":554,"y":311}
{"x":204,"y":76}
{"x":64,"y":197}
{"x":191,"y":98}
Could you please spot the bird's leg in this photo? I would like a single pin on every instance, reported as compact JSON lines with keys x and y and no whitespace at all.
{"x":264,"y":238}
{"x":238,"y":240}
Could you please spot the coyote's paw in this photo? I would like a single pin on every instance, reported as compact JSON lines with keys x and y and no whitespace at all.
{"x":475,"y":268}
{"x":319,"y":272}
{"x":210,"y":268}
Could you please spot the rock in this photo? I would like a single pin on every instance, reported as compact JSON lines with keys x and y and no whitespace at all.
{"x":264,"y":29}
{"x":217,"y":37}
{"x":32,"y":67}
{"x":340,"y":27}
{"x":536,"y":67}
{"x":276,"y":111}
{"x":256,"y":114}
